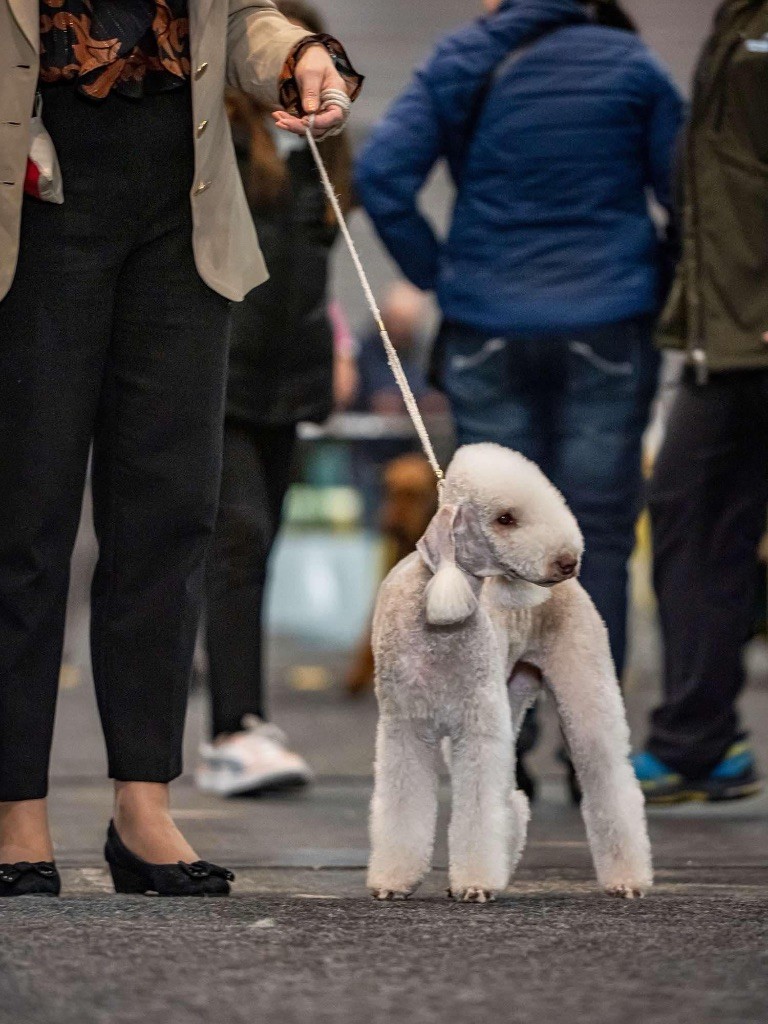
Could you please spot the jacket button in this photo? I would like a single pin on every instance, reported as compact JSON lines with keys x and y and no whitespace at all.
{"x":201,"y":186}
{"x":201,"y":128}
{"x":201,"y":69}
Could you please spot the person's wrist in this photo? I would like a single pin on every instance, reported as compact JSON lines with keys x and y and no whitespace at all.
{"x":289,"y":91}
{"x":313,"y":46}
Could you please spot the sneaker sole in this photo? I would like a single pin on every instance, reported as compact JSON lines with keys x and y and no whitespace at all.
{"x":711,"y":794}
{"x":244,"y":787}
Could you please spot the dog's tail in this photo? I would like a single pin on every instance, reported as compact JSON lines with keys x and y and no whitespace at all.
{"x":449,"y":596}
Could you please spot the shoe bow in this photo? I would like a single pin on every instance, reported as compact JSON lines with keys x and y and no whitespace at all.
{"x":10,"y":873}
{"x":202,"y":869}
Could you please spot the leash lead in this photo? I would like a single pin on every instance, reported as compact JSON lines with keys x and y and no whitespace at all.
{"x":392,"y":357}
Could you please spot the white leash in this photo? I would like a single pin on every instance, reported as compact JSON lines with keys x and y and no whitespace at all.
{"x":392,"y":356}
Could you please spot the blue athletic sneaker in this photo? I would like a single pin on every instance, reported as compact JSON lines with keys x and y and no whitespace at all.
{"x":733,"y":778}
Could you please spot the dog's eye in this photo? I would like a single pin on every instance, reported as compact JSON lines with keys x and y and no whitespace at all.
{"x":506,"y":519}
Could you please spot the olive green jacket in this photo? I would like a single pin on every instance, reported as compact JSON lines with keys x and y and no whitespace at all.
{"x":242,"y":42}
{"x":718,"y":307}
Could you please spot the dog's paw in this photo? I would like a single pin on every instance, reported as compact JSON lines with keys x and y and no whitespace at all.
{"x":472,"y":894}
{"x":625,"y":891}
{"x":390,"y":894}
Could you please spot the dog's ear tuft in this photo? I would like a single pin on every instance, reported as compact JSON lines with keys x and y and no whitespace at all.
{"x":449,"y":596}
{"x":438,"y":544}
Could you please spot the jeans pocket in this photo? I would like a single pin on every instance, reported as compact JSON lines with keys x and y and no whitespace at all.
{"x":611,"y":367}
{"x":461,"y":362}
{"x":474,"y":368}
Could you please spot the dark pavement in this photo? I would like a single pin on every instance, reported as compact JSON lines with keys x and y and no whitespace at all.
{"x":549,"y":953}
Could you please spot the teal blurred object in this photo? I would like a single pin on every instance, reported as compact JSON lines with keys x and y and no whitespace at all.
{"x":322,"y":586}
{"x":334,"y":507}
{"x":326,"y":463}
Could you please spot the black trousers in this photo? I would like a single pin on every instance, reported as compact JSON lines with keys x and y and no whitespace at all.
{"x":109,"y":336}
{"x":257,"y":471}
{"x":708,"y":502}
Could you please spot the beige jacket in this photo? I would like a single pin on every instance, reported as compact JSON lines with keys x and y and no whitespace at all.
{"x":240,"y":42}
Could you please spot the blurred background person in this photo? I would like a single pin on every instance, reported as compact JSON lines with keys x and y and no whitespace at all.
{"x":709,"y":490}
{"x":281,"y":372}
{"x":405,"y":312}
{"x":345,"y":376}
{"x":555,"y":121}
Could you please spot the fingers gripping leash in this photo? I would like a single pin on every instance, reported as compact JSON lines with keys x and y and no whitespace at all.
{"x":392,"y":356}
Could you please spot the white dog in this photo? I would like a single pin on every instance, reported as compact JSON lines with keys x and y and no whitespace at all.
{"x":491,"y":592}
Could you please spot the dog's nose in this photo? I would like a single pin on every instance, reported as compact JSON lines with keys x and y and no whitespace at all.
{"x":566,"y":565}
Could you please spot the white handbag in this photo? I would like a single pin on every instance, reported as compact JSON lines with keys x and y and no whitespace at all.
{"x":43,"y":178}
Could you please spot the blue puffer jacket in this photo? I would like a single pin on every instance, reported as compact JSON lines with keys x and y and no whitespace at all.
{"x":550,"y":230}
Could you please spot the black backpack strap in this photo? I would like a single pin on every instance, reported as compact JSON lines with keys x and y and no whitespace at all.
{"x":481,"y":97}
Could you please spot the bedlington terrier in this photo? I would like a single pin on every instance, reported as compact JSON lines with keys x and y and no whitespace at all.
{"x":465,"y":631}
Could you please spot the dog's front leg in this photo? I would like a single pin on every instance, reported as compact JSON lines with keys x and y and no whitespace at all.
{"x":403,"y":810}
{"x":482,"y":815}
{"x":592,"y":715}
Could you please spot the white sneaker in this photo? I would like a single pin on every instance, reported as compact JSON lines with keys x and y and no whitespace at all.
{"x":255,"y":759}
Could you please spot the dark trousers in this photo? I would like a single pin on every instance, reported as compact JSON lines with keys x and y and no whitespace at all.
{"x":577,"y":405}
{"x":708,"y":502}
{"x":109,"y":336}
{"x":257,"y":471}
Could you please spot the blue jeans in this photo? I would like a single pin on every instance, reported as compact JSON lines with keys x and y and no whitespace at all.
{"x":577,"y":405}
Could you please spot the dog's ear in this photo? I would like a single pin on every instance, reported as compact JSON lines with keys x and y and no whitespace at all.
{"x":450,"y":597}
{"x":473,"y":551}
{"x":438,"y":544}
{"x":455,"y":535}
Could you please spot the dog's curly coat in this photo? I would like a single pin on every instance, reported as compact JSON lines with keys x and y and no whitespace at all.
{"x":491,"y":592}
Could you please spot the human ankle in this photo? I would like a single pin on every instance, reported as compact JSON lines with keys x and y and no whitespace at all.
{"x":144,"y":822}
{"x":141,"y":800}
{"x":24,"y":832}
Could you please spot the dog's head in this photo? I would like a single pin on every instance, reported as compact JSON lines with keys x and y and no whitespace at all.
{"x":500,"y":516}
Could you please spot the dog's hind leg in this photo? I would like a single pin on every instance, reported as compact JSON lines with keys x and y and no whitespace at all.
{"x":520,"y":813}
{"x":403,"y":810}
{"x":524,"y":687}
{"x":482,"y":816}
{"x":592,"y":715}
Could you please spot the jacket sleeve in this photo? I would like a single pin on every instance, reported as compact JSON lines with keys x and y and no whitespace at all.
{"x":666,"y":120}
{"x":389,"y":174}
{"x":259,"y":41}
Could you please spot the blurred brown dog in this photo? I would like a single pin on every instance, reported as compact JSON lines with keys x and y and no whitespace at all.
{"x":410,"y":501}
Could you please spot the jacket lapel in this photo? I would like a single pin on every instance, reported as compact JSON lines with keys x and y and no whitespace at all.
{"x":27,"y":15}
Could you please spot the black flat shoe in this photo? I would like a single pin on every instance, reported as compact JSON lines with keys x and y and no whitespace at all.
{"x":132,"y":874}
{"x":25,"y":879}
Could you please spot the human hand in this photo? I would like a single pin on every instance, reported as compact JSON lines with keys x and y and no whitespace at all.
{"x":324,"y":96}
